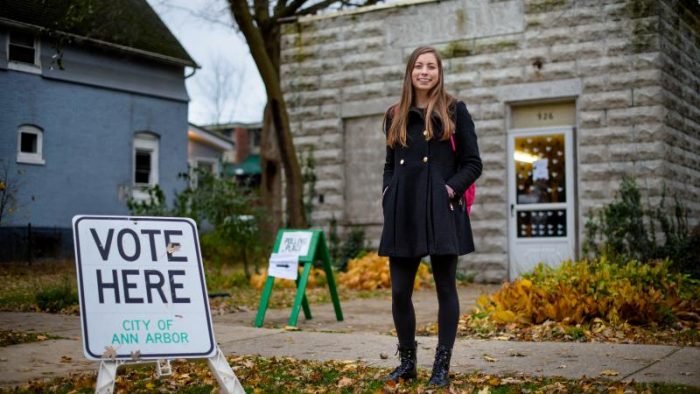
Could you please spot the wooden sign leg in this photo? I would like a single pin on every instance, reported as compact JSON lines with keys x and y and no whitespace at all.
{"x":106,"y":376}
{"x":228,"y":382}
{"x":304,"y":303}
{"x":301,"y":289}
{"x":334,"y":292}
{"x":326,"y":258}
{"x":264,"y":301}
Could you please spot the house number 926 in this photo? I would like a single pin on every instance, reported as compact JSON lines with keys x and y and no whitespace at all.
{"x":545,"y":116}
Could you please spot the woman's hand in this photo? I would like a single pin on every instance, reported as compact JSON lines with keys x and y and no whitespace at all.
{"x":450,"y":192}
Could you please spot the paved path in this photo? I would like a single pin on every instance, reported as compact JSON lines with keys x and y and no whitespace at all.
{"x":362,"y":336}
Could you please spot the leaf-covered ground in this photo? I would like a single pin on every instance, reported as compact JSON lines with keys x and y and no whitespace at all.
{"x":11,"y":337}
{"x":287,"y":375}
{"x":247,"y":298}
{"x":476,"y":327}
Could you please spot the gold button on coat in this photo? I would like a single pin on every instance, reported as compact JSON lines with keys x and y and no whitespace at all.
{"x":401,"y":162}
{"x":425,"y":159}
{"x":425,"y":133}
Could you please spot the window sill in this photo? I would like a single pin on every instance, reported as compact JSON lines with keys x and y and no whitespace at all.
{"x":140,"y":193}
{"x":24,"y":67}
{"x":26,"y":159}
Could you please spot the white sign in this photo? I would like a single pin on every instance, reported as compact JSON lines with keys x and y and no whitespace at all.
{"x":295,"y":242}
{"x":142,"y":288}
{"x":284,"y":266}
{"x":540,"y":170}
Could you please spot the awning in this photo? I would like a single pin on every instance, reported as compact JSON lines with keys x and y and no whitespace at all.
{"x":249,"y":166}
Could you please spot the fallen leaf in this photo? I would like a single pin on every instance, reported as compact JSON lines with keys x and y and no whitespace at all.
{"x":66,"y":359}
{"x":345,"y":382}
{"x":41,"y":337}
{"x":490,"y":359}
{"x":561,"y":366}
{"x":609,"y":372}
{"x":110,"y":353}
{"x":510,"y":380}
{"x":485,"y":390}
{"x":172,"y":248}
{"x":292,"y":328}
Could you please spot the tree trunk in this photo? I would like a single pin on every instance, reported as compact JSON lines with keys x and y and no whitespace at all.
{"x":271,"y":182}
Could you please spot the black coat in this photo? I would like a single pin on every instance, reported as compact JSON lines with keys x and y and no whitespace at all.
{"x":417,"y":217}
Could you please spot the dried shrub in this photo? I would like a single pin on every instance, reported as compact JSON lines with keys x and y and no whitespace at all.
{"x":580,"y":292}
{"x":372,"y":272}
{"x":317,"y":277}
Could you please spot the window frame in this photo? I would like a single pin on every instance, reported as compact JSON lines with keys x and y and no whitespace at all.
{"x":22,"y":66}
{"x":33,"y":157}
{"x":149,"y":142}
{"x":194,"y":164}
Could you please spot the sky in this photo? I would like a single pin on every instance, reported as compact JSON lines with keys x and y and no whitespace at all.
{"x":206,"y":30}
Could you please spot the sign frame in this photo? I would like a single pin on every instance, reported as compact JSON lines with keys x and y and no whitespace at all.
{"x":317,"y":251}
{"x":94,"y":354}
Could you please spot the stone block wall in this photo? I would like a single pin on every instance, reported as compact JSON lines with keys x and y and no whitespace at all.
{"x":629,"y":65}
{"x":679,"y":42}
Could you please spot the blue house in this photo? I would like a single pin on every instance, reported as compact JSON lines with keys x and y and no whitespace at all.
{"x":93,"y":109}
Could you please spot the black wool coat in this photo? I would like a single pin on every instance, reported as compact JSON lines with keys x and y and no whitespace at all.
{"x":419,"y":217}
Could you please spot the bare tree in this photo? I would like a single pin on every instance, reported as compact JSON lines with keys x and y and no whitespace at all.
{"x":260,"y":23}
{"x":8,"y":191}
{"x":223,"y":87}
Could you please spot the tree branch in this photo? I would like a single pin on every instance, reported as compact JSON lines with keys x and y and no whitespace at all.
{"x":314,"y":8}
{"x":291,"y":9}
{"x":262,"y":13}
{"x":255,"y":41}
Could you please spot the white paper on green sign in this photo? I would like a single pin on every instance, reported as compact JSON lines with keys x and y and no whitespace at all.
{"x":284,"y":265}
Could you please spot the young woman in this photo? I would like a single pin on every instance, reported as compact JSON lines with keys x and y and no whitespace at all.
{"x":432,"y":158}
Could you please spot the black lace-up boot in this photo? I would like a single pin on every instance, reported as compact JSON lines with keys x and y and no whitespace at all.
{"x":441,"y":367}
{"x":407,"y":369}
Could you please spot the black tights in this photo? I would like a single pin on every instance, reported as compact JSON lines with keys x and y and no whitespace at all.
{"x":403,"y":275}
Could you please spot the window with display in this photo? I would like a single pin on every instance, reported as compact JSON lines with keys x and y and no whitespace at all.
{"x":540,"y":174}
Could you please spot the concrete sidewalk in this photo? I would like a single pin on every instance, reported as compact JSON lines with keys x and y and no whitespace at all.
{"x":362,"y":336}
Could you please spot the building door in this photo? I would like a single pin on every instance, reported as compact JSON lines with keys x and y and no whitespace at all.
{"x":541,"y":188}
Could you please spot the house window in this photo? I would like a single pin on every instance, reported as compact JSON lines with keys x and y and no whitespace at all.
{"x":202,"y":166}
{"x":145,"y":163}
{"x":30,"y":142}
{"x":23,"y":52}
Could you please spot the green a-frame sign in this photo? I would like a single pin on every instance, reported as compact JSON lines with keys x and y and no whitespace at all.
{"x":317,"y":251}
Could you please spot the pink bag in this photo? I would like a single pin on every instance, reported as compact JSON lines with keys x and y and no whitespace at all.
{"x":470,"y":194}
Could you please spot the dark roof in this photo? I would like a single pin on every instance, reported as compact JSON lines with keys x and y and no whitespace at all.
{"x":127,"y":23}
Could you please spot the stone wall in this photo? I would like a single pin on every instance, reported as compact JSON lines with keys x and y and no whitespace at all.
{"x":341,"y":71}
{"x":679,"y":42}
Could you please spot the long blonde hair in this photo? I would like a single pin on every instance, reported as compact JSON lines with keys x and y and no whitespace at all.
{"x":438,"y":102}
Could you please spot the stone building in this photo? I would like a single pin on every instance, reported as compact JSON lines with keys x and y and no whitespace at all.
{"x":567,"y":96}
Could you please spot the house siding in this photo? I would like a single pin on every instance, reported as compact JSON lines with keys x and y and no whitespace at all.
{"x":627,"y":66}
{"x":87,"y":147}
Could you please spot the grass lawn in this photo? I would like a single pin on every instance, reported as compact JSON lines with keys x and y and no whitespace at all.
{"x":51,"y":286}
{"x":287,"y":375}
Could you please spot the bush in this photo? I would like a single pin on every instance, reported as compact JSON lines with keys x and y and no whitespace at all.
{"x":231,"y":209}
{"x":56,"y":298}
{"x":624,"y":230}
{"x":580,"y":292}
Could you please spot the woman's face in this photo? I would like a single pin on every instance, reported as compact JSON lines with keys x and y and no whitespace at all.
{"x":425,"y":74}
